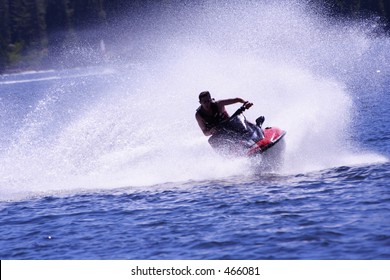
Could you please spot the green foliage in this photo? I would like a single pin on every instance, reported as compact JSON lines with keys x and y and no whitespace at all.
{"x":15,"y":52}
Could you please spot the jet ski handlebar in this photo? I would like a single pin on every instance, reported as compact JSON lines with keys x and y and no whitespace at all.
{"x":244,"y":107}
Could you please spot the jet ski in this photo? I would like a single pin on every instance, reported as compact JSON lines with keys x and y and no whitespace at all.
{"x":237,"y":136}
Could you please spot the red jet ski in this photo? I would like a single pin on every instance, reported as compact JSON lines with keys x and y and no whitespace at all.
{"x":237,"y":136}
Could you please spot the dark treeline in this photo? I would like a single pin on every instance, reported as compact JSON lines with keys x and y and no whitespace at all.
{"x":35,"y":33}
{"x":361,"y":7}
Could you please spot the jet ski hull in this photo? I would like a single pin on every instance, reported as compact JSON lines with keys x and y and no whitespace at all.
{"x":272,"y":135}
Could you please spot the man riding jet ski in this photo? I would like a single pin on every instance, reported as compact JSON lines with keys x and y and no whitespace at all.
{"x":234,"y":135}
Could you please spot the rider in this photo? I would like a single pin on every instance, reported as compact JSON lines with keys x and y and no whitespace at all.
{"x":210,"y":112}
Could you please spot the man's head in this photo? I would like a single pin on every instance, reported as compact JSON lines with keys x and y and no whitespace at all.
{"x":205,"y":99}
{"x":203,"y":95}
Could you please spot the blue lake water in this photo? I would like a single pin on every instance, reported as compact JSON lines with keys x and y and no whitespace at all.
{"x":107,"y":162}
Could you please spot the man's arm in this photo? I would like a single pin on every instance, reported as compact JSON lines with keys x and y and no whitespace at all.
{"x":223,"y":102}
{"x":230,"y":101}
